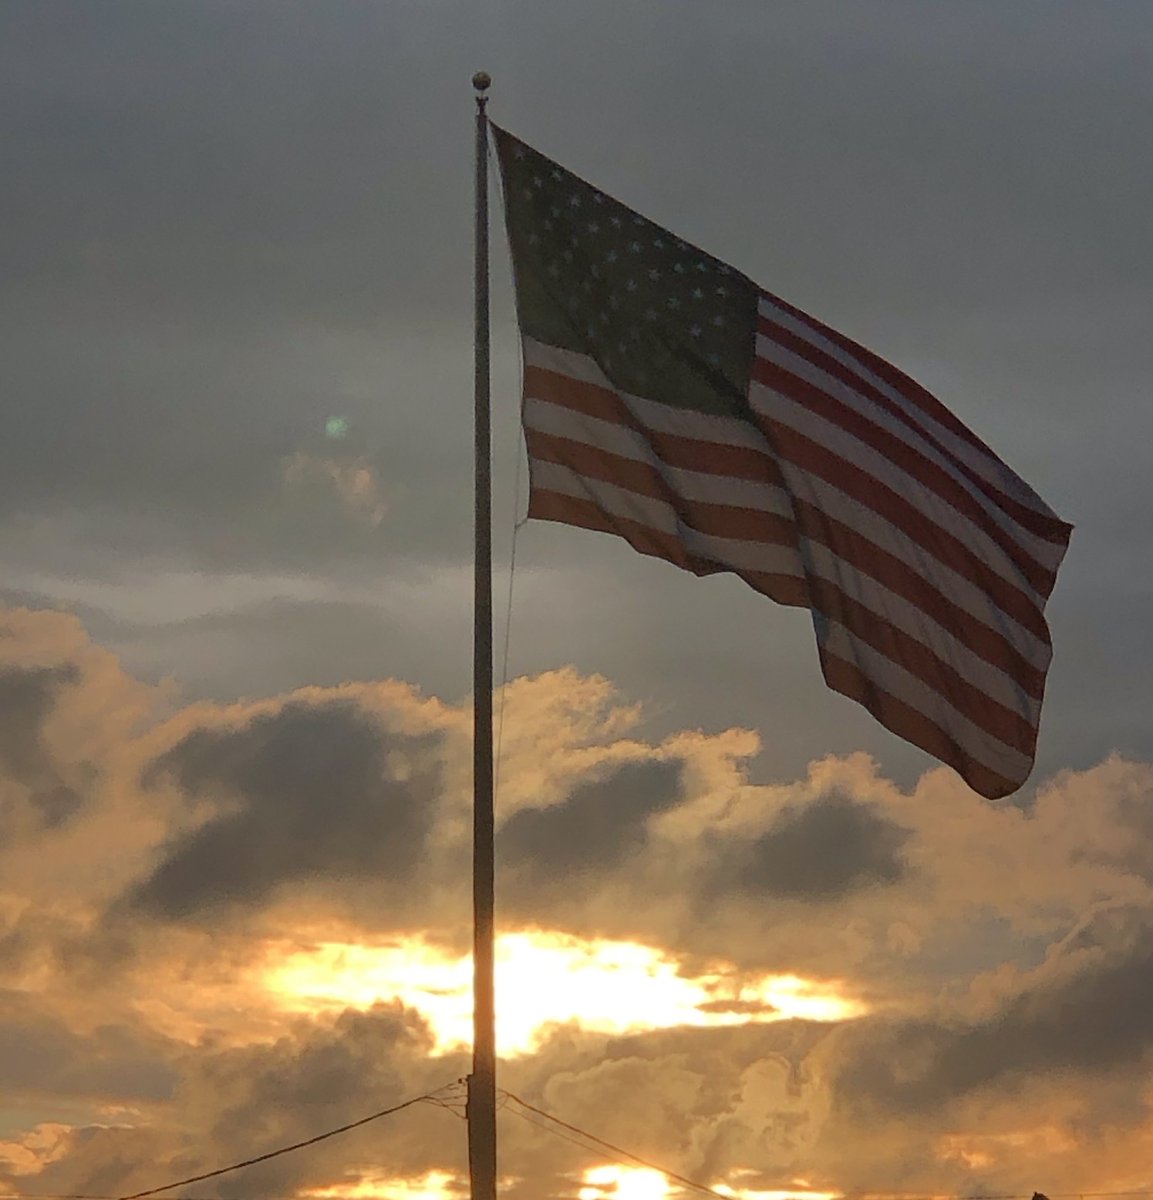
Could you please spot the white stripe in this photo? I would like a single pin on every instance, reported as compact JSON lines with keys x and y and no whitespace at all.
{"x":987,"y":465}
{"x":1046,"y":553}
{"x":734,"y":553}
{"x":665,"y":418}
{"x":959,"y":589}
{"x":545,"y":417}
{"x":779,"y":407}
{"x":977,"y":743}
{"x":822,"y":561}
{"x":995,"y":683}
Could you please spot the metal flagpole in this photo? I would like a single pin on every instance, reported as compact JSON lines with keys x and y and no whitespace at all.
{"x":481,"y":1110}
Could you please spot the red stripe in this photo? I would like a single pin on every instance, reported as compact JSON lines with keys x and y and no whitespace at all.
{"x":1041,"y":524}
{"x":942,"y":545}
{"x":569,"y":510}
{"x":692,"y":454}
{"x":720,"y":520}
{"x":769,"y":528}
{"x":982,"y":710}
{"x":842,"y":540}
{"x":908,"y":460}
{"x":898,"y":380}
{"x":898,"y":577}
{"x":912,"y":725}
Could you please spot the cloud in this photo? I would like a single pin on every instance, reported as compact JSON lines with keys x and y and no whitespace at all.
{"x":1002,"y":952}
{"x":600,"y":825}
{"x":354,"y":484}
{"x":27,"y":697}
{"x":307,"y":790}
{"x":828,"y":848}
{"x":1085,"y":1012}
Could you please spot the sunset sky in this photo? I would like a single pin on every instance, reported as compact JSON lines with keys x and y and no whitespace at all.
{"x":747,"y":934}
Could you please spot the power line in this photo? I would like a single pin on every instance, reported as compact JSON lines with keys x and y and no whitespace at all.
{"x":565,"y":1131}
{"x":592,"y":1137}
{"x":431,"y":1097}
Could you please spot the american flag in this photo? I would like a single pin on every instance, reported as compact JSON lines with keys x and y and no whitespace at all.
{"x":671,"y":401}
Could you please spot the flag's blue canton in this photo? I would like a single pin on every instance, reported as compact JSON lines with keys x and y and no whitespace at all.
{"x":661,"y":318}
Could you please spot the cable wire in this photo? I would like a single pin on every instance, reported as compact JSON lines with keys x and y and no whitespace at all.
{"x":430,"y":1097}
{"x":683,"y":1180}
{"x":565,"y":1131}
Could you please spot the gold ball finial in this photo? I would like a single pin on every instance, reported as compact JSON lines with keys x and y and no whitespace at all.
{"x":482,"y":81}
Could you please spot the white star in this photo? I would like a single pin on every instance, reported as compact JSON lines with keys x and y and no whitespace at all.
{"x":650,"y":314}
{"x":679,"y":268}
{"x":654,"y":274}
{"x":598,"y":198}
{"x":593,"y":227}
{"x":674,"y":302}
{"x":718,"y":320}
{"x":695,"y":331}
{"x":658,"y":243}
{"x":611,"y":256}
{"x":722,"y":291}
{"x":700,"y":266}
{"x":574,"y":201}
{"x":615,"y":222}
{"x":537,"y":182}
{"x":556,"y":175}
{"x":698,"y":294}
{"x":635,"y":247}
{"x":553,"y":270}
{"x":631,"y":285}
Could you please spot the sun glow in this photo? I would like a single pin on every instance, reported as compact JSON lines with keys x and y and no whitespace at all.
{"x":432,"y":1185}
{"x":623,"y":1183}
{"x":543,"y":979}
{"x":612,"y":1182}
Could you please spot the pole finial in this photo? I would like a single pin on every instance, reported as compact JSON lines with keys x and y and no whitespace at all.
{"x":482,"y":81}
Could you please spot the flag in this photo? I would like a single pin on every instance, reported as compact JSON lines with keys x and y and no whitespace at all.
{"x":671,"y":401}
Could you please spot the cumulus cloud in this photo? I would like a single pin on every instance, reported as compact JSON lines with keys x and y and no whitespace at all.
{"x":308,"y":789}
{"x":1002,"y":954}
{"x":824,"y":850}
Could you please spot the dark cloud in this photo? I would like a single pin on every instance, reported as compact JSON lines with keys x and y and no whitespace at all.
{"x":822,"y":851}
{"x":27,"y":698}
{"x":41,"y":1054}
{"x":232,"y":1101}
{"x":1093,"y":1020}
{"x":308,"y":791}
{"x":597,"y":828}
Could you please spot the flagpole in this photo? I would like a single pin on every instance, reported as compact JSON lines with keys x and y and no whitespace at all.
{"x":481,"y":1109}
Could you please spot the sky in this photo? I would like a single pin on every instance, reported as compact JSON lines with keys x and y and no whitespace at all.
{"x":748,"y":934}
